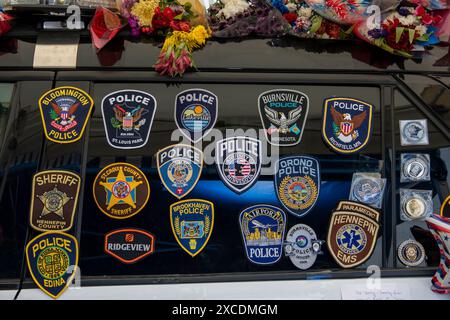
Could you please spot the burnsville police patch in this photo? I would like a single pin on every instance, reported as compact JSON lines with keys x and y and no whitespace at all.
{"x":127,"y":117}
{"x":54,"y":200}
{"x":283,"y":114}
{"x":297,"y":181}
{"x":347,"y":124}
{"x":196,"y":113}
{"x":238,"y":162}
{"x":262,"y":228}
{"x":192,"y":223}
{"x":65,"y":112}
{"x":129,"y":245}
{"x":52,"y":259}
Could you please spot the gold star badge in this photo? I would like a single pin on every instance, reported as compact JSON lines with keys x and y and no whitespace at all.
{"x":120,"y":190}
{"x":54,"y":201}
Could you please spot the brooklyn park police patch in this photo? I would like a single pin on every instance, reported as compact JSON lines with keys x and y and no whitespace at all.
{"x":238,"y":161}
{"x":347,"y":124}
{"x":263,"y":229}
{"x":129,"y":245}
{"x":52,"y":259}
{"x":192,"y":222}
{"x":54,"y":200}
{"x":283,"y":114}
{"x":297,"y":181}
{"x":65,"y":112}
{"x":179,"y":167}
{"x":128,"y":117}
{"x":195,"y":113}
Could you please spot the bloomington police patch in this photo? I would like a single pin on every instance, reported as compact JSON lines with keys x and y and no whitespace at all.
{"x":297,"y":181}
{"x":54,"y":198}
{"x":192,"y":223}
{"x":283,"y":114}
{"x":301,"y":246}
{"x":179,"y":167}
{"x":262,"y":228}
{"x":129,"y":245}
{"x":127,"y":117}
{"x":347,"y":124}
{"x":238,"y":162}
{"x":65,"y":112}
{"x":196,"y":113}
{"x":52,"y":259}
{"x":445,"y":207}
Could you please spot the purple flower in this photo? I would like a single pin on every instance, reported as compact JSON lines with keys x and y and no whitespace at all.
{"x":403,"y":11}
{"x":375,"y":33}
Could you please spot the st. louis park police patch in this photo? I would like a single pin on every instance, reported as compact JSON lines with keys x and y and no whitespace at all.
{"x":297,"y":181}
{"x":52,"y":259}
{"x":179,"y":167}
{"x":65,"y":112}
{"x":347,"y":124}
{"x":129,"y":245}
{"x":128,"y":116}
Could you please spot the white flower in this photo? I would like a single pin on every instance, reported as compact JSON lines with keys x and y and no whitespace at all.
{"x":292,"y":7}
{"x":421,"y":29}
{"x":305,"y":12}
{"x":408,"y":20}
{"x":233,"y":7}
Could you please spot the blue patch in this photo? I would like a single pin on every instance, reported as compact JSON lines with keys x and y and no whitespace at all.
{"x":195,"y":113}
{"x":297,"y":181}
{"x":263,"y":228}
{"x":347,"y":124}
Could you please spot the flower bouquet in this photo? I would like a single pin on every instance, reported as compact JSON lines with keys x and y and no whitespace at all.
{"x":5,"y":22}
{"x":104,"y":26}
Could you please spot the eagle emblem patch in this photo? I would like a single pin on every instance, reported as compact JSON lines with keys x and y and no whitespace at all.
{"x":347,"y":124}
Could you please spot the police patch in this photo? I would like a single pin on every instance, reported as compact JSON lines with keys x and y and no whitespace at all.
{"x":238,"y":162}
{"x":129,"y":245}
{"x":283,"y":114}
{"x":262,"y":228}
{"x":65,"y":112}
{"x":297,"y":181}
{"x":351,"y":238}
{"x":196,"y":113}
{"x":352,"y":206}
{"x":127,"y":117}
{"x":179,"y":167}
{"x":301,"y":246}
{"x":121,"y":190}
{"x":54,"y":200}
{"x":192,"y":223}
{"x":347,"y":124}
{"x":52,"y":259}
{"x":445,"y":207}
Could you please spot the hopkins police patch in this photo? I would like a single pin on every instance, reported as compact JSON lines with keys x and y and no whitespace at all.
{"x":192,"y":223}
{"x":52,"y":259}
{"x":195,"y":113}
{"x":297,"y":181}
{"x":128,"y":117}
{"x":65,"y":112}
{"x":283,"y":114}
{"x":179,"y":167}
{"x":347,"y":124}
{"x":238,"y":161}
{"x":263,"y":229}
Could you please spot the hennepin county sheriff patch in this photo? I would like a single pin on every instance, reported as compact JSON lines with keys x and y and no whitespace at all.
{"x":129,"y":245}
{"x":128,"y":116}
{"x":65,"y":112}
{"x":347,"y":124}
{"x":52,"y":259}
{"x":54,"y":200}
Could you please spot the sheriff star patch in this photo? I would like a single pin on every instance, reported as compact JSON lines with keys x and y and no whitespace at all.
{"x":347,"y":124}
{"x":54,"y":198}
{"x":297,"y":181}
{"x":65,"y":112}
{"x":52,"y":259}
{"x":129,"y":245}
{"x":283,"y":114}
{"x":445,"y":207}
{"x":128,"y":116}
{"x":192,"y":223}
{"x":262,"y":228}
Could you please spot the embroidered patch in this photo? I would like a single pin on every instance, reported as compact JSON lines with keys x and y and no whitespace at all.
{"x":301,"y":246}
{"x":352,"y":206}
{"x":129,"y":245}
{"x":445,"y":207}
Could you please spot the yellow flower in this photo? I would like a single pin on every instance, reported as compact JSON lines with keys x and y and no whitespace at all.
{"x":144,"y":11}
{"x":192,"y":40}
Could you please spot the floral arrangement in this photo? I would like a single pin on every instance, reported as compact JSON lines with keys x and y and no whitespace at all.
{"x":341,"y":11}
{"x":104,"y":26}
{"x":5,"y":22}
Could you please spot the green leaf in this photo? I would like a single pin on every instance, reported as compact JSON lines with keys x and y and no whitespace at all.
{"x":398,"y":33}
{"x":178,"y":17}
{"x":412,"y":33}
{"x":316,"y":23}
{"x":424,"y":37}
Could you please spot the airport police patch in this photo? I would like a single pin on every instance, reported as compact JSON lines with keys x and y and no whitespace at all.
{"x":192,"y":223}
{"x":297,"y":181}
{"x":196,"y":113}
{"x":127,"y":117}
{"x":129,"y":245}
{"x":262,"y":228}
{"x":347,"y":124}
{"x":301,"y":246}
{"x":54,"y":198}
{"x":283,"y":114}
{"x":65,"y":112}
{"x":52,"y":259}
{"x":445,"y":207}
{"x":238,"y":161}
{"x":179,"y":167}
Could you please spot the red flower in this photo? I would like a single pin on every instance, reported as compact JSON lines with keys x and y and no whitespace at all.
{"x":290,"y":17}
{"x":180,"y":26}
{"x":420,"y":11}
{"x":338,"y":7}
{"x":427,"y":19}
{"x":333,"y":30}
{"x":162,"y":19}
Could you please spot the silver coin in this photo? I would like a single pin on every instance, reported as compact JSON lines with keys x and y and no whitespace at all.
{"x":415,"y":169}
{"x":415,"y":207}
{"x":413,"y":131}
{"x":411,"y":253}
